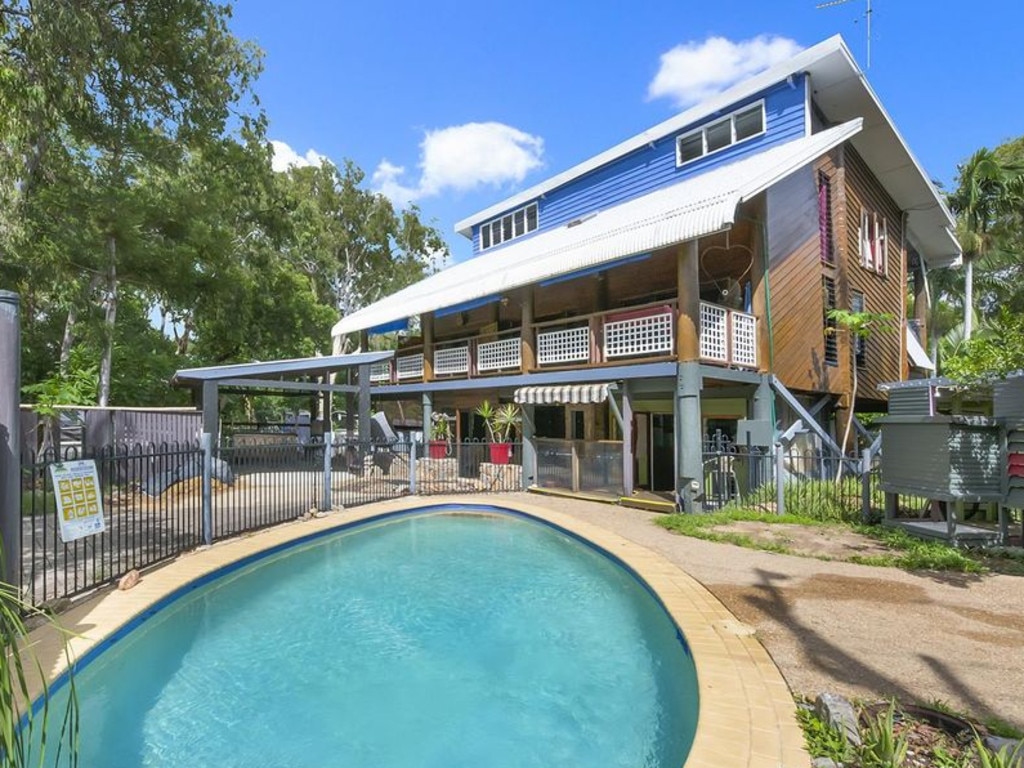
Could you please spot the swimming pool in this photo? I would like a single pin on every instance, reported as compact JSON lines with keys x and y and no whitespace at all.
{"x":431,"y":639}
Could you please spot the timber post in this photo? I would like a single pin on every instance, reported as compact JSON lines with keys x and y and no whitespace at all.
{"x":10,"y":438}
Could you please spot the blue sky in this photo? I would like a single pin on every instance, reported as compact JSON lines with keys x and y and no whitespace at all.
{"x":459,"y":104}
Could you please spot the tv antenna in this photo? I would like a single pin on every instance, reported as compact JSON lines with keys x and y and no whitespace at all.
{"x":867,"y":15}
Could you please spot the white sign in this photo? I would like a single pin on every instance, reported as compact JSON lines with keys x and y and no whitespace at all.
{"x":76,"y":487}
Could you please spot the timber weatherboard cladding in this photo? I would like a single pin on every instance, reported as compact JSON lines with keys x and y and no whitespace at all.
{"x":885,"y":348}
{"x":654,"y":167}
{"x":795,"y":273}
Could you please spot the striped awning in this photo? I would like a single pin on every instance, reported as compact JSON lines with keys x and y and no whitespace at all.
{"x":569,"y":394}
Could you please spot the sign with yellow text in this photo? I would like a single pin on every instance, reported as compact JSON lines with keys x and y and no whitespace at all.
{"x":79,"y":503}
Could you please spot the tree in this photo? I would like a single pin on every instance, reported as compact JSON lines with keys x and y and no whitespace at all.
{"x":113,"y":90}
{"x":860,"y":326}
{"x":994,"y":353}
{"x":987,"y":188}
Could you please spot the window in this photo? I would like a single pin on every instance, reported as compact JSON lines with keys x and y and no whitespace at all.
{"x":828,"y":300}
{"x":740,"y":125}
{"x":860,"y":350}
{"x":825,"y":234}
{"x":873,"y":241}
{"x":508,"y":227}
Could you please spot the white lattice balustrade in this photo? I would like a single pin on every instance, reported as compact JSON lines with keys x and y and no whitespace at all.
{"x":568,"y":346}
{"x":409,"y":367}
{"x":639,"y":335}
{"x":714,"y":337}
{"x":497,"y":355}
{"x":744,"y":339}
{"x":380,"y":371}
{"x":451,"y":360}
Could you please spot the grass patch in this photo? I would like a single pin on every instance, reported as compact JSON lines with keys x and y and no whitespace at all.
{"x":702,"y":527}
{"x":914,"y":554}
{"x":905,"y":551}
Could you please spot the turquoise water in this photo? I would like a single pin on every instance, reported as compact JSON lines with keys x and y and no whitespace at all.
{"x":432,"y":640}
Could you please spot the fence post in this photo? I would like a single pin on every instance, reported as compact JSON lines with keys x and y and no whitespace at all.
{"x":865,"y":487}
{"x":412,"y":467}
{"x":780,"y":475}
{"x":326,"y":503}
{"x":10,"y":438}
{"x":206,"y":441}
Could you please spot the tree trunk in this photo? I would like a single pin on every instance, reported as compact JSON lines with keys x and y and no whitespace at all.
{"x":850,"y":416}
{"x":68,"y":340}
{"x":968,"y":297}
{"x":109,"y":321}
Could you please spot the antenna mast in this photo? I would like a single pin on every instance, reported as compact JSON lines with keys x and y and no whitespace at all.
{"x":867,"y":15}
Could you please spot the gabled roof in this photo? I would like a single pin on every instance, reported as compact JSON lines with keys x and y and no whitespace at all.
{"x":842,"y":93}
{"x":692,"y":208}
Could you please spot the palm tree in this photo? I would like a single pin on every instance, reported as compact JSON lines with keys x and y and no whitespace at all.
{"x":987,"y":188}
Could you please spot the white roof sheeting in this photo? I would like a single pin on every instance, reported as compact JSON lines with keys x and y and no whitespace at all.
{"x":918,"y":357}
{"x":692,"y":208}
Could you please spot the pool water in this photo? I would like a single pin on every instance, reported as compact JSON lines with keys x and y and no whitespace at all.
{"x":432,"y":640}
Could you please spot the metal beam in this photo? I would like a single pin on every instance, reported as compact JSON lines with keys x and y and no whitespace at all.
{"x":729,"y":374}
{"x":816,"y":408}
{"x":665,"y":370}
{"x":299,"y":386}
{"x":812,"y":423}
{"x":10,"y":439}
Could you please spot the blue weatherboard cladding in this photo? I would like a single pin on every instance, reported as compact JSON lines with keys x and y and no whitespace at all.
{"x":651,"y":168}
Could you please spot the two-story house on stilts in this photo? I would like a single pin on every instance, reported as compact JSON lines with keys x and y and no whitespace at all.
{"x":678,"y":284}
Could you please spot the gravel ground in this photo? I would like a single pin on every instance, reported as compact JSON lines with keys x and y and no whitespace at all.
{"x":856,"y":630}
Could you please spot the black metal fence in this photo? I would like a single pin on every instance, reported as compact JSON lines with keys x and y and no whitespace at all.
{"x":152,"y":496}
{"x":809,"y":482}
{"x":152,"y":508}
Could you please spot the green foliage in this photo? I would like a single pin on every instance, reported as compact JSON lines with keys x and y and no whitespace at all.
{"x":501,"y":422}
{"x":881,"y":746}
{"x":48,"y":736}
{"x":914,"y":554}
{"x":821,"y":738}
{"x":1004,"y":758}
{"x":440,"y":426}
{"x":994,"y":352}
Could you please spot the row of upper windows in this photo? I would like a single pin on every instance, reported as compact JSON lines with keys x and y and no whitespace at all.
{"x":508,"y":227}
{"x":743,"y":124}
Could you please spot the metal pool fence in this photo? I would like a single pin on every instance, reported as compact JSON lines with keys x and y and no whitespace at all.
{"x":162,"y":500}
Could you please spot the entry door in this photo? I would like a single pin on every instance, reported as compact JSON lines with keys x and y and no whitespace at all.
{"x":663,"y":448}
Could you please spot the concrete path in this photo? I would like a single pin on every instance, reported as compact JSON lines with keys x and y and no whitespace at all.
{"x":857,"y":630}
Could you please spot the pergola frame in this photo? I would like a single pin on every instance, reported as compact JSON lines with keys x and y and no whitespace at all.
{"x":305,"y":374}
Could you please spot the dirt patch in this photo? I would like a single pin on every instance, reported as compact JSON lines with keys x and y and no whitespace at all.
{"x":827,"y":542}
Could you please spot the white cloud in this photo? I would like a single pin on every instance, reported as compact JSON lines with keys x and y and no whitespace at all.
{"x":285,"y":157}
{"x":693,"y":71}
{"x":463,"y":157}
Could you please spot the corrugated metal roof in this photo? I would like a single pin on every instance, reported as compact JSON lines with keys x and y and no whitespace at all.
{"x":690,"y":209}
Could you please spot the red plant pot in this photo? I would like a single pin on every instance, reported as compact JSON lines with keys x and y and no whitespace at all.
{"x":438,"y":449}
{"x":500,"y":452}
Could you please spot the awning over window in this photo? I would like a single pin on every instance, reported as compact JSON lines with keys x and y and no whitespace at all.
{"x":570,"y":394}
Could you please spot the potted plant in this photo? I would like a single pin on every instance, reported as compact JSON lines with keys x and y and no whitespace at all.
{"x":501,"y":424}
{"x":440,"y":435}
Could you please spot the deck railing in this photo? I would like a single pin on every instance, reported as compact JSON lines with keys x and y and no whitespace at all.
{"x":727,"y":337}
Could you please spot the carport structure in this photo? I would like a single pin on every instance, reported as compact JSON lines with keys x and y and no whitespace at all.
{"x":304,"y":374}
{"x":312,"y":375}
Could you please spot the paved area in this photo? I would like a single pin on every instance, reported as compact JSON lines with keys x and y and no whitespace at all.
{"x":857,"y":630}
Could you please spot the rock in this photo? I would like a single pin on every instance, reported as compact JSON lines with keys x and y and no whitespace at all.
{"x":838,"y":713}
{"x":129,"y":580}
{"x":1013,"y":747}
{"x":824,"y":762}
